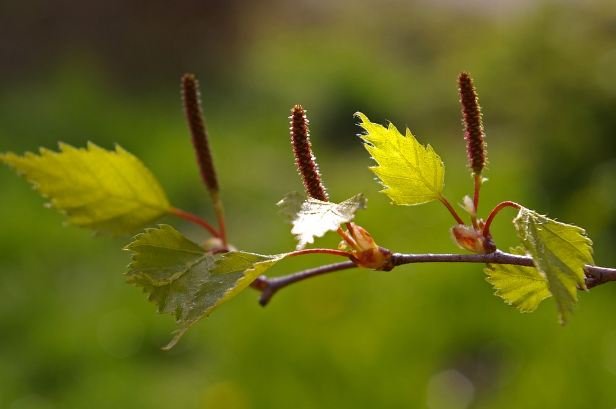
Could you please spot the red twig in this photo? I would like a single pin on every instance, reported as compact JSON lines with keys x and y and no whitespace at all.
{"x":196,"y":220}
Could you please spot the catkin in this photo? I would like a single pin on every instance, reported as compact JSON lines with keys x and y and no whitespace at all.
{"x":473,"y":126}
{"x":304,"y":158}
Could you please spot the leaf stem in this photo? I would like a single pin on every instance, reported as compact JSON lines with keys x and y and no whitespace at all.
{"x":333,"y":252}
{"x":449,"y":207}
{"x":494,"y":212}
{"x":196,"y":220}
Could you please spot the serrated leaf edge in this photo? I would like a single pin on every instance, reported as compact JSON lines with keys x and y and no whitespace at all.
{"x":63,"y":148}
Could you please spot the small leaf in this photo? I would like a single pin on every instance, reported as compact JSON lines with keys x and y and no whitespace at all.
{"x":183,"y":280}
{"x":560,"y":251}
{"x":522,"y":287}
{"x":411,"y":173}
{"x":108,"y":191}
{"x":290,"y":205}
{"x":314,"y":218}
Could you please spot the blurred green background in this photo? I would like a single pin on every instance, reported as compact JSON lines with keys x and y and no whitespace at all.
{"x":74,"y":335}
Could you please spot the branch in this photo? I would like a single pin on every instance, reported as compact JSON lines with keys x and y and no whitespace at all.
{"x":595,"y":275}
{"x":497,"y":257}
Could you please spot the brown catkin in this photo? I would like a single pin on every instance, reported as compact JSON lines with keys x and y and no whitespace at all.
{"x":304,"y":158}
{"x":194,"y":116}
{"x":473,"y":126}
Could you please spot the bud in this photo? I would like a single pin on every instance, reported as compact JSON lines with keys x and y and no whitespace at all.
{"x":366,"y":253}
{"x":215,"y":245}
{"x":304,"y":158}
{"x":473,"y":126}
{"x":472,"y":240}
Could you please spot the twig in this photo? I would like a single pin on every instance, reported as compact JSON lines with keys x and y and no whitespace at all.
{"x":497,"y":257}
{"x":599,"y":275}
{"x":595,"y":275}
{"x":269,"y":286}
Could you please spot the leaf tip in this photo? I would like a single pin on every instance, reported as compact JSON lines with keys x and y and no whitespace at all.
{"x":177,"y":335}
{"x":361,"y":116}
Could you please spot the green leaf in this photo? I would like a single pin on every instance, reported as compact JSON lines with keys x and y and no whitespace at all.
{"x":522,"y":287}
{"x":107,"y":191}
{"x":560,"y":251}
{"x":183,"y":280}
{"x":313,"y":218}
{"x":411,"y":173}
{"x":250,"y":265}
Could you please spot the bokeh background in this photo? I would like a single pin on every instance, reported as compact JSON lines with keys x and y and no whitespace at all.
{"x":74,"y":335}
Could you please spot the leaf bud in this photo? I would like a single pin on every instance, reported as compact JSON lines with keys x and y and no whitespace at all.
{"x":466,"y":237}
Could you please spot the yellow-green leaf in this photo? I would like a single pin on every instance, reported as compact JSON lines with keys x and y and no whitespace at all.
{"x":107,"y":191}
{"x":250,"y":265}
{"x":411,"y":173}
{"x":313,"y":218}
{"x":522,"y":287}
{"x":185,"y":281}
{"x":560,"y":251}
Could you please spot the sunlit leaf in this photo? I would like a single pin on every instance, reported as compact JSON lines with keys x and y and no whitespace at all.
{"x":560,"y":251}
{"x":313,"y":218}
{"x":522,"y":287}
{"x":411,"y":173}
{"x":108,"y":191}
{"x":290,"y":205}
{"x":183,"y":280}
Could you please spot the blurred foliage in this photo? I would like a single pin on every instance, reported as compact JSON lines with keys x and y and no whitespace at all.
{"x":75,"y":335}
